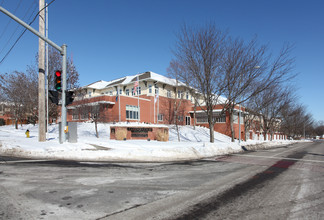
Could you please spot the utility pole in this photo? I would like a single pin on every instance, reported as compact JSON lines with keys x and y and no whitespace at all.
{"x":41,"y":93}
{"x":41,"y":75}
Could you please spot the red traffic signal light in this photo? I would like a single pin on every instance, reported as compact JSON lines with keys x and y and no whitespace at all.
{"x":58,"y":80}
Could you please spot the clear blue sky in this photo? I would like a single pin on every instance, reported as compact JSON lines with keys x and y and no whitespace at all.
{"x":109,"y":39}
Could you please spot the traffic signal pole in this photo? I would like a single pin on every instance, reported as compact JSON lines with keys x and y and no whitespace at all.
{"x":63,"y":116}
{"x":62,"y":50}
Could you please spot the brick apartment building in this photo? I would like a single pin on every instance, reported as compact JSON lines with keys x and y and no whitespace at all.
{"x":152,"y":101}
{"x":6,"y":117}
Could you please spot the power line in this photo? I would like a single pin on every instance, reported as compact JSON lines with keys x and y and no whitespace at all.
{"x":4,"y":30}
{"x":24,"y":32}
{"x":18,"y":26}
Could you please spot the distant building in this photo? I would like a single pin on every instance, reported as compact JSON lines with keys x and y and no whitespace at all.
{"x":147,"y":97}
{"x":6,"y":117}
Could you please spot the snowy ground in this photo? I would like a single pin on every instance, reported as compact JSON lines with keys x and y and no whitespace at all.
{"x":194,"y":144}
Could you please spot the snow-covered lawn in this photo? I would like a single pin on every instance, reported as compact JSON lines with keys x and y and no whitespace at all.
{"x":194,"y":144}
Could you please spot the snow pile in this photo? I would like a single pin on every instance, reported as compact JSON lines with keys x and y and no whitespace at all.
{"x":194,"y":144}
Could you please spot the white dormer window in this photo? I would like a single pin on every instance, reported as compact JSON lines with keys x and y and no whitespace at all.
{"x":180,"y":94}
{"x":150,"y":88}
{"x":156,"y":89}
{"x":169,"y":94}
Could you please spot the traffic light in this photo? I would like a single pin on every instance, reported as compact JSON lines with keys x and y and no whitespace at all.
{"x":69,"y":97}
{"x":53,"y":96}
{"x":58,"y":80}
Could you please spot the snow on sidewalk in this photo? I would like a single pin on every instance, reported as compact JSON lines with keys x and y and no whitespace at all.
{"x":194,"y":144}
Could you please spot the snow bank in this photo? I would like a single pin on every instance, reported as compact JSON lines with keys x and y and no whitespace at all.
{"x":194,"y":144}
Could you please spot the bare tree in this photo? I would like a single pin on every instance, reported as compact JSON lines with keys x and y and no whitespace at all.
{"x":296,"y":120}
{"x":174,"y":70}
{"x":21,"y":91}
{"x":200,"y":52}
{"x":273,"y":100}
{"x":89,"y":111}
{"x":242,"y":72}
{"x":319,"y":128}
{"x":250,"y":69}
{"x":216,"y":65}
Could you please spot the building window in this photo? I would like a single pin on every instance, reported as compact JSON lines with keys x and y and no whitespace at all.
{"x":216,"y":118}
{"x":202,"y":120}
{"x":127,"y":92}
{"x":156,"y":89}
{"x":168,"y":93}
{"x":160,"y":117}
{"x":84,"y":114}
{"x":89,"y":94}
{"x":150,"y":88}
{"x":133,"y":93}
{"x":220,"y":119}
{"x":138,"y":90}
{"x":132,"y":112}
{"x":120,"y":91}
{"x":180,"y":118}
{"x":180,"y":94}
{"x":75,"y":114}
{"x":187,"y":95}
{"x":110,"y":92}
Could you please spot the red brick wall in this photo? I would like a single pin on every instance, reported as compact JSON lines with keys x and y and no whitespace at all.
{"x":164,"y":105}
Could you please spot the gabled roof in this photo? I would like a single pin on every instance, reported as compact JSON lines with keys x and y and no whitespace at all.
{"x":97,"y":85}
{"x":129,"y":79}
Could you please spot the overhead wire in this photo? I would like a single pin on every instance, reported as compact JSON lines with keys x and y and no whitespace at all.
{"x":4,"y":30}
{"x":18,"y":26}
{"x":24,"y":32}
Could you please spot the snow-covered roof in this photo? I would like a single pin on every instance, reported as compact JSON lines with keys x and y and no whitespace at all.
{"x":165,"y":79}
{"x":97,"y":85}
{"x":91,"y":104}
{"x":130,"y":79}
{"x":146,"y":76}
{"x":203,"y":111}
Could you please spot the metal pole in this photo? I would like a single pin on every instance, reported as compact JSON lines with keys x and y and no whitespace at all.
{"x":118,"y":103}
{"x":138,"y":107}
{"x":239,"y":124}
{"x":239,"y":121}
{"x":63,"y":114}
{"x":46,"y":49}
{"x":41,"y":76}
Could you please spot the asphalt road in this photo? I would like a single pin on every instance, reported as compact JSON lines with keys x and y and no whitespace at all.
{"x":281,"y":183}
